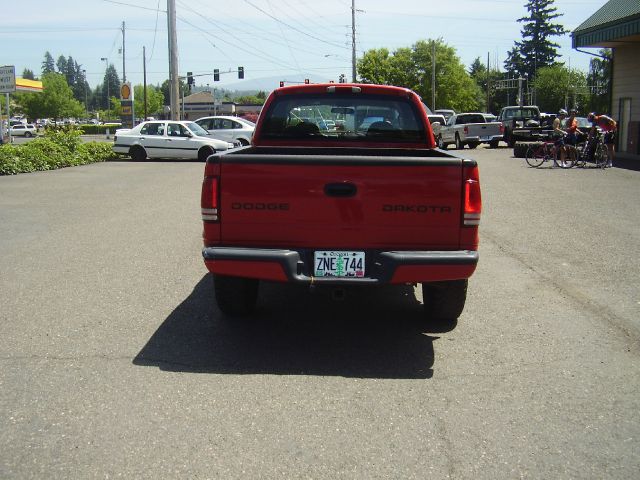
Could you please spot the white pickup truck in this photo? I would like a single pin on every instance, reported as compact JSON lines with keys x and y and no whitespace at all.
{"x":469,"y":129}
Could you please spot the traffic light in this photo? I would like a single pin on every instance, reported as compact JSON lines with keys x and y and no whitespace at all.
{"x":241,"y":72}
{"x":216,"y":75}
{"x":306,"y":81}
{"x":189,"y":78}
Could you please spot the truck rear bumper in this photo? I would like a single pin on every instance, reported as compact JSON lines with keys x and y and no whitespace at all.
{"x":382,"y":267}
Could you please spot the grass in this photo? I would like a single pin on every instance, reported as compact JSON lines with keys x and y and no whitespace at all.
{"x":56,"y":149}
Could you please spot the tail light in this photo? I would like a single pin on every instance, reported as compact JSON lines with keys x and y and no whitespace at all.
{"x":209,"y":199}
{"x":466,"y":130}
{"x":472,"y":196}
{"x":501,"y":128}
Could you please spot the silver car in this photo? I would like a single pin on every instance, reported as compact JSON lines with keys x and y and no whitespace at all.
{"x":230,"y":129}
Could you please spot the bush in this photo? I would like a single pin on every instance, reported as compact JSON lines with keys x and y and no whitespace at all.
{"x":57,"y":149}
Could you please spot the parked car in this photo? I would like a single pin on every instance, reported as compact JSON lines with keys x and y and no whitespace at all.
{"x":436,"y":121}
{"x":167,"y":139}
{"x":23,"y":130}
{"x":230,"y":129}
{"x":489,"y":117}
{"x":469,"y":129}
{"x":446,"y":113}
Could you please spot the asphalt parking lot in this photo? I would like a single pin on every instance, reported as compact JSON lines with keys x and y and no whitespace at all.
{"x":115,"y":362}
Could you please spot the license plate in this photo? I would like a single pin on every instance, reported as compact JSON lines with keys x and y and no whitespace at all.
{"x":338,"y":264}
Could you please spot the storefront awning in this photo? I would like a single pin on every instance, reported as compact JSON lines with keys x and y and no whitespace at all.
{"x":25,"y":85}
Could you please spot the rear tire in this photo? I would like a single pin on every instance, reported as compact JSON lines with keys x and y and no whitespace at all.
{"x":493,"y":144}
{"x":441,"y":143}
{"x":444,"y":300}
{"x":138,"y":154}
{"x":473,"y":145}
{"x":459,"y":144}
{"x":600,"y":156}
{"x":236,"y":296}
{"x":27,"y":134}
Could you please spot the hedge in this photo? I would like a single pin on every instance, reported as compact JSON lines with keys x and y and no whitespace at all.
{"x":56,"y":149}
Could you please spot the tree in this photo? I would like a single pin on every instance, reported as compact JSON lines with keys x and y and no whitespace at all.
{"x":155,"y":100}
{"x":249,"y":100}
{"x":536,"y":50}
{"x":48,"y":65}
{"x":110,"y":86}
{"x":62,"y":65}
{"x":183,"y":90}
{"x":411,"y":68}
{"x":559,"y":87}
{"x":599,"y":81}
{"x":28,"y":74}
{"x":55,"y":101}
{"x":487,"y":79}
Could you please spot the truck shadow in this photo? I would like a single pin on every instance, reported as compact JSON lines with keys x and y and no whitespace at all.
{"x":369,"y":334}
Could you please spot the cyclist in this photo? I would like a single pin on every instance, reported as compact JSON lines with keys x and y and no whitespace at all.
{"x":559,"y":134}
{"x":571,"y":127}
{"x":609,"y":126}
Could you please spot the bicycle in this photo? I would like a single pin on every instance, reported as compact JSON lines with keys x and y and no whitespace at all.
{"x":547,"y":151}
{"x":594,"y":150}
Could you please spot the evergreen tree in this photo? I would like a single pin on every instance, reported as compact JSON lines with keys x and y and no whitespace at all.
{"x":110,"y":87}
{"x":70,"y":72}
{"x":478,"y":70}
{"x":62,"y":65}
{"x":48,"y":65}
{"x":536,"y":50}
{"x":28,"y":74}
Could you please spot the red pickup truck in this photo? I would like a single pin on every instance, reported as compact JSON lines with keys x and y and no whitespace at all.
{"x":342,"y":185}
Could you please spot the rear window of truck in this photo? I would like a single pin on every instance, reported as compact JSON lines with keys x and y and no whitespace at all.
{"x":343,"y":117}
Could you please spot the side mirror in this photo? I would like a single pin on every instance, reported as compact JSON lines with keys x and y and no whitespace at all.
{"x":436,"y":124}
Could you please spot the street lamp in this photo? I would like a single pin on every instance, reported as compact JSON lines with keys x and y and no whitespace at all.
{"x":106,"y":77}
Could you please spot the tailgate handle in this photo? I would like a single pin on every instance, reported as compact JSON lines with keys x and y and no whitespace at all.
{"x":340,"y":189}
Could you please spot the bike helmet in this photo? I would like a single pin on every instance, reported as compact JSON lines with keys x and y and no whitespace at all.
{"x":562,"y":112}
{"x":591,"y":116}
{"x":573,"y":111}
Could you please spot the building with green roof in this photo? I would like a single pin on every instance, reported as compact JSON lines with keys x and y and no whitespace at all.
{"x":617,"y":26}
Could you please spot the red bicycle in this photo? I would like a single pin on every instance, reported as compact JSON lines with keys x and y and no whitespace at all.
{"x":547,"y":152}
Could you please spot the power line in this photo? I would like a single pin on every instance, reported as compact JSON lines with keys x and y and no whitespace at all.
{"x":295,"y":28}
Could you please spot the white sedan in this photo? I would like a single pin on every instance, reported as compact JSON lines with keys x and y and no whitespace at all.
{"x":231,"y":129}
{"x":167,"y":139}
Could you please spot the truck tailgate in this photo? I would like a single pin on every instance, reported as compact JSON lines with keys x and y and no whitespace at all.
{"x":340,"y":202}
{"x":482,"y":130}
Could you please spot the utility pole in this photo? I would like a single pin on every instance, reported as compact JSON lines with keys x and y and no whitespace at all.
{"x":144,"y":79}
{"x":488,"y":104}
{"x":433,"y":74}
{"x":124,"y":75}
{"x":173,"y":59}
{"x":353,"y":41}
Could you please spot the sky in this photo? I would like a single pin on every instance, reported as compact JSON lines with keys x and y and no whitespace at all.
{"x":285,"y":39}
